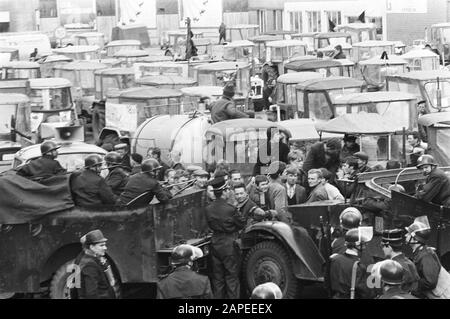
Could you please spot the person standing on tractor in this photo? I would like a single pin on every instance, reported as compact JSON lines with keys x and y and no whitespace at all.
{"x":222,"y":32}
{"x":226,"y":222}
{"x":436,"y":189}
{"x":44,"y":166}
{"x":225,"y":108}
{"x":269,"y":75}
{"x":117,"y":177}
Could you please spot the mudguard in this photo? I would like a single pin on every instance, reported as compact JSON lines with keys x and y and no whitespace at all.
{"x":309,"y":263}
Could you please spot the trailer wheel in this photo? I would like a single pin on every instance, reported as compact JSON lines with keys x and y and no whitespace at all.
{"x":269,"y":261}
{"x":58,"y":285}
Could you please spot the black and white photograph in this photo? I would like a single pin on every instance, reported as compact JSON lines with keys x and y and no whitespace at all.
{"x":221,"y":151}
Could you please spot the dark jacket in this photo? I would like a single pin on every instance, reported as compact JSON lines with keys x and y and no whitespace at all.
{"x":247,"y":212}
{"x":396,"y":292}
{"x":428,"y":267}
{"x":225,"y":109}
{"x":43,"y":166}
{"x":318,"y":193}
{"x":89,"y":189}
{"x":259,"y":198}
{"x":299,"y":195}
{"x":341,"y":275}
{"x":142,"y":183}
{"x":411,"y":277}
{"x":437,"y":188}
{"x":277,"y":196}
{"x":315,"y":158}
{"x":184,"y":283}
{"x":349,"y":151}
{"x":117,"y":179}
{"x":225,"y":221}
{"x":94,"y":281}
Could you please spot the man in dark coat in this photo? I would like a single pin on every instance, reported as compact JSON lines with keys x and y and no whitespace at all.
{"x":315,"y":181}
{"x":346,"y":268}
{"x":437,"y":185}
{"x":145,"y":182}
{"x":296,"y":194}
{"x":225,"y":108}
{"x":425,"y":259}
{"x":117,"y":177}
{"x":225,"y":221}
{"x":248,"y":209}
{"x":89,"y":189}
{"x":96,"y":276}
{"x":392,"y":241}
{"x":183,"y":282}
{"x":324,"y":154}
{"x":155,"y":153}
{"x":44,"y":166}
{"x":350,"y":146}
{"x":222,"y":33}
{"x":362,"y":159}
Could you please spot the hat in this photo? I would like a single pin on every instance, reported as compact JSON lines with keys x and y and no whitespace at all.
{"x":393,"y":237}
{"x":292,"y":170}
{"x":334,"y":143}
{"x":276,"y":167}
{"x":193,"y":168}
{"x":120,"y":146}
{"x":93,"y":237}
{"x":184,"y":253}
{"x":349,"y":137}
{"x":362,"y":156}
{"x":201,"y":172}
{"x":218,"y":183}
{"x":229,"y":90}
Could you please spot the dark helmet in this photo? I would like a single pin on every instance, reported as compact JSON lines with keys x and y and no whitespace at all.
{"x":113,"y":158}
{"x":359,"y":235}
{"x":93,"y":160}
{"x":391,"y":272}
{"x":48,"y":146}
{"x":425,"y":160}
{"x":150,"y":165}
{"x":183,"y":254}
{"x":350,"y":218}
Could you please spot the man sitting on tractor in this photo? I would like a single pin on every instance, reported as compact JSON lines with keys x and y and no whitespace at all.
{"x":437,"y":185}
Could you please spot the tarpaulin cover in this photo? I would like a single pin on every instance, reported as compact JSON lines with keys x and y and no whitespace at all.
{"x":23,"y":200}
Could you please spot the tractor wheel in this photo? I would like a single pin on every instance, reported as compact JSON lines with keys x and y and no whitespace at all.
{"x":268,"y":261}
{"x":58,"y":285}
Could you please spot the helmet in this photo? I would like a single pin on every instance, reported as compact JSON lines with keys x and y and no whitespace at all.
{"x":113,"y":158}
{"x":48,"y":146}
{"x":393,"y":237}
{"x":420,"y":229}
{"x":391,"y":272}
{"x":150,"y":165}
{"x":93,"y":160}
{"x":268,"y":290}
{"x":183,"y":254}
{"x":425,"y":160}
{"x":350,"y":218}
{"x":359,"y":235}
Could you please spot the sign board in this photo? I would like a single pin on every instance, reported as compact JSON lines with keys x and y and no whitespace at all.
{"x":121,"y":116}
{"x":406,"y":6}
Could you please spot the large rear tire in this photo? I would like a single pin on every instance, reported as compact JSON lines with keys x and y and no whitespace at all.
{"x":269,"y":261}
{"x":58,"y":285}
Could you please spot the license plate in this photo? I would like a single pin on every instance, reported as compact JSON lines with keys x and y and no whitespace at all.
{"x":7,"y":157}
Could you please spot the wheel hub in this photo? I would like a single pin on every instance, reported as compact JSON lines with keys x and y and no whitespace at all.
{"x":268,"y":270}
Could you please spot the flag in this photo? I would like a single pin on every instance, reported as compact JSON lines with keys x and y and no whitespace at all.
{"x":331,"y":25}
{"x":362,"y":17}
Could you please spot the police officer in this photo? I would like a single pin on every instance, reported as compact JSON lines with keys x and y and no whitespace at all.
{"x":97,"y":278}
{"x":225,"y":221}
{"x":348,"y":277}
{"x":392,"y":278}
{"x":225,"y":108}
{"x":349,"y":218}
{"x":427,"y":262}
{"x":437,"y":185}
{"x":44,"y":166}
{"x":183,"y":282}
{"x":144,"y":182}
{"x":117,"y":177}
{"x":392,"y":242}
{"x":89,"y":189}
